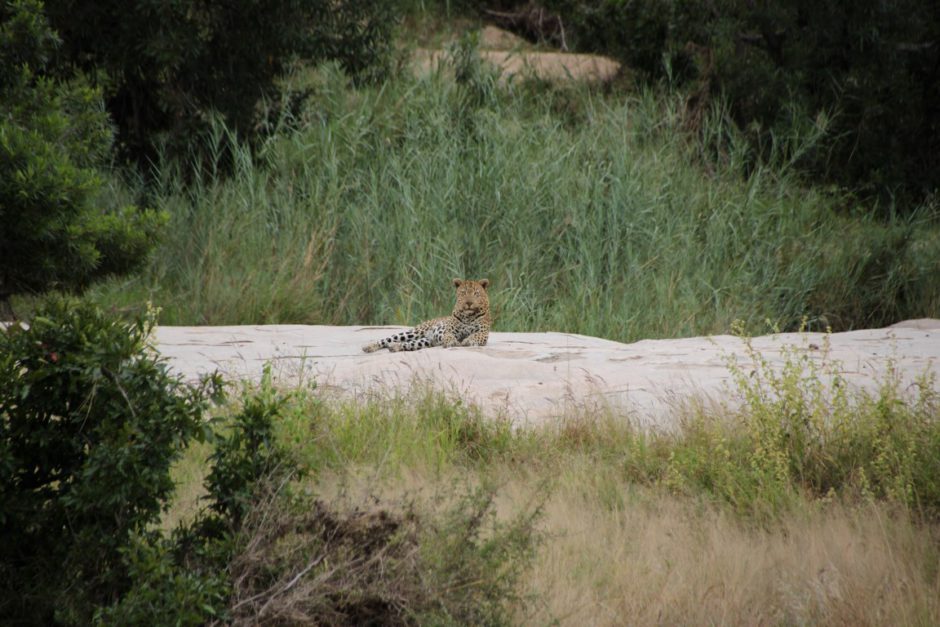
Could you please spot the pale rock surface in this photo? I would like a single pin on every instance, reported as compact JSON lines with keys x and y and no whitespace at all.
{"x":493,"y":38}
{"x":514,"y":57}
{"x":531,"y":378}
{"x":546,"y":66}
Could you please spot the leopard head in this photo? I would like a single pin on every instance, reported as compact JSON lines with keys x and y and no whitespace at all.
{"x":472,"y":299}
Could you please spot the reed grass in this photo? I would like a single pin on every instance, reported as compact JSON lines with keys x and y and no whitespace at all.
{"x":594,"y":213}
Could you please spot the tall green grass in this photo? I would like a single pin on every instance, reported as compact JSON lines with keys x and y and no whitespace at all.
{"x":591,"y":213}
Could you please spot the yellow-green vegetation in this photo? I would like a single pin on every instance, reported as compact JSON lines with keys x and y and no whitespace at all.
{"x":804,"y":503}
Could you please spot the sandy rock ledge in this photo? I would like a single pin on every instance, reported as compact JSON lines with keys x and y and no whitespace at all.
{"x":533,"y":377}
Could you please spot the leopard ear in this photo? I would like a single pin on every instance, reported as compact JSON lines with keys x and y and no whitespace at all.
{"x":458,"y":282}
{"x":484,"y":283}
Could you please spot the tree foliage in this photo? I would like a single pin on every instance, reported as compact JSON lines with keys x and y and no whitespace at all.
{"x":56,"y":230}
{"x":167,"y":66}
{"x":874,"y":66}
{"x":90,"y":422}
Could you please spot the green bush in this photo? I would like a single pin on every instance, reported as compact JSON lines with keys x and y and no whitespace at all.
{"x":246,"y":453}
{"x":185,"y":578}
{"x":55,"y":229}
{"x":170,"y":586}
{"x":90,"y":421}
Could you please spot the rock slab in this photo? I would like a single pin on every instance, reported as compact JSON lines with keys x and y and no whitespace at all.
{"x":531,"y":378}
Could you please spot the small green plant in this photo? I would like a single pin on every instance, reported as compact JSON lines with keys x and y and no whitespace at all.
{"x":476,"y":79}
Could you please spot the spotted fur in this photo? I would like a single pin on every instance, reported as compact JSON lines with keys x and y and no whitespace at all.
{"x":468,"y":325}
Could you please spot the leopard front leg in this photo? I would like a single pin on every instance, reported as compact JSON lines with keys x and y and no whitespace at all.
{"x":449,"y":339}
{"x":477,"y":338}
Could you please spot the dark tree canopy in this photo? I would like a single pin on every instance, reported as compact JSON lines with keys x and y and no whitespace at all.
{"x":873,"y":65}
{"x":167,"y":66}
{"x":54,"y":136}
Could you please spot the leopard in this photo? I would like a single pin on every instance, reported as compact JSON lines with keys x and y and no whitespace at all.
{"x":468,"y":325}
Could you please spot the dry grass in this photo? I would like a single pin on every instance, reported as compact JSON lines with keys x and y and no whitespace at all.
{"x":613,"y":553}
{"x":378,"y":561}
{"x":318,"y":566}
{"x":659,"y":560}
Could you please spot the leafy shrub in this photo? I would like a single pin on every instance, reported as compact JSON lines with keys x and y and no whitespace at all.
{"x":246,"y":454}
{"x":90,"y":422}
{"x":185,"y":578}
{"x":54,"y":137}
{"x":167,"y":588}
